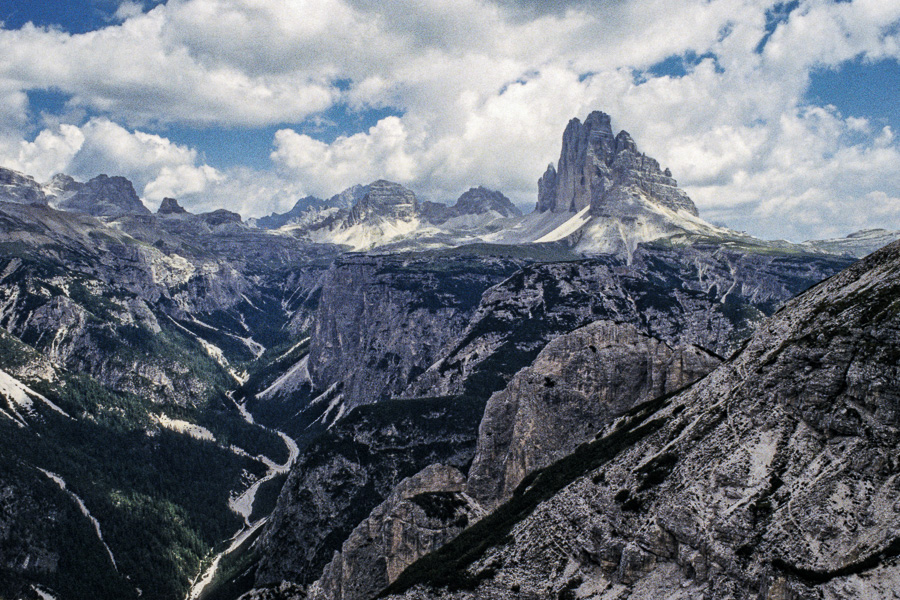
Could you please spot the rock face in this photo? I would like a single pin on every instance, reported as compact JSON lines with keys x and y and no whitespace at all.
{"x":382,"y":320}
{"x":774,"y":477}
{"x":603,"y":171}
{"x":19,"y":188}
{"x":105,"y":196}
{"x":127,"y":313}
{"x":479,"y":200}
{"x":421,"y":514}
{"x":350,"y":469}
{"x":577,"y":385}
{"x":170,"y":206}
{"x":384,"y":199}
{"x":705,"y":296}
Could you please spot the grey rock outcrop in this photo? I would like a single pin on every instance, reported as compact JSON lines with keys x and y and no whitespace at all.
{"x":701,"y":295}
{"x":19,"y":188}
{"x":774,"y":477}
{"x":384,"y":199}
{"x":547,"y":190}
{"x":105,"y":196}
{"x":602,"y":170}
{"x":350,"y":469}
{"x":479,"y":200}
{"x":170,"y":206}
{"x":383,"y":319}
{"x":577,"y":385}
{"x":421,"y":514}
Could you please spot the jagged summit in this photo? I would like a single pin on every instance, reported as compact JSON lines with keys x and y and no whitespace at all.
{"x":479,"y":200}
{"x":60,"y":187}
{"x":170,"y":206}
{"x":604,"y":171}
{"x":384,"y":199}
{"x":605,"y":196}
{"x":105,"y":196}
{"x":20,"y":188}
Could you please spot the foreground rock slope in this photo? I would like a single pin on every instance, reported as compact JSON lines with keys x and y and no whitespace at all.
{"x":774,"y":477}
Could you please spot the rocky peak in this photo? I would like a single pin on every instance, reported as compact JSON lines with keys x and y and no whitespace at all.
{"x":479,"y":200}
{"x":301,"y":208}
{"x":606,"y":171}
{"x":349,"y":197}
{"x":625,"y":142}
{"x":170,"y":206}
{"x":547,"y":190}
{"x":422,"y":513}
{"x":576,"y":386}
{"x":19,"y":188}
{"x":60,"y":187}
{"x":384,"y":199}
{"x":105,"y":196}
{"x":220,"y":217}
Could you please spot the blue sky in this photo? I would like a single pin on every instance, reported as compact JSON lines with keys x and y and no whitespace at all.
{"x":779,"y":118}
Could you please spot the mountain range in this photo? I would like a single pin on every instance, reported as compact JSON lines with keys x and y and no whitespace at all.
{"x":373,"y":395}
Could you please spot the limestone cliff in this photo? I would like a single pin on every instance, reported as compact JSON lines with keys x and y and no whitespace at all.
{"x":578,"y":384}
{"x":421,"y":514}
{"x":774,"y":477}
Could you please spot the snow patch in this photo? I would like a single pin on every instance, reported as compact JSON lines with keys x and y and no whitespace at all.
{"x":42,"y":594}
{"x":21,"y":395}
{"x":81,"y":506}
{"x":365,"y":236}
{"x":195,"y":431}
{"x":290,"y":381}
{"x":567,"y":228}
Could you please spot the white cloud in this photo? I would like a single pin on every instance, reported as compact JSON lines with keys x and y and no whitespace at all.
{"x":386,"y":151}
{"x":484,"y":90}
{"x":157,"y":166}
{"x":128,"y":10}
{"x":51,"y":152}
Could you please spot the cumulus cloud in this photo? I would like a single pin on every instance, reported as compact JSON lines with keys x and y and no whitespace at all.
{"x":482,"y":90}
{"x":157,"y":166}
{"x":51,"y":152}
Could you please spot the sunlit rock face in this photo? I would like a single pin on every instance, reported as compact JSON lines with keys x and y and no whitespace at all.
{"x":606,"y":172}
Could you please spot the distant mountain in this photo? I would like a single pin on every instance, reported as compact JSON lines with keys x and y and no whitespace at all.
{"x":102,"y":196}
{"x":170,"y":206}
{"x":19,"y":188}
{"x":607,"y":196}
{"x":857,"y":244}
{"x":308,"y":212}
{"x":477,"y":202}
{"x":61,"y":187}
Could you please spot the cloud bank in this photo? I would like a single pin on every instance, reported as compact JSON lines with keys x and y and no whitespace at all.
{"x":481,"y":92}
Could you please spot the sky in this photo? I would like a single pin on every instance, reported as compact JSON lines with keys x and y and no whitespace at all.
{"x":778,"y":118}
